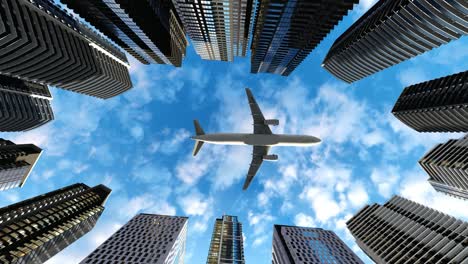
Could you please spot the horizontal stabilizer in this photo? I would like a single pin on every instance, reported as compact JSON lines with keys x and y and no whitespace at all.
{"x":197,"y":147}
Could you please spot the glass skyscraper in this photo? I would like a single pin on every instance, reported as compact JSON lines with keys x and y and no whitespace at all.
{"x":227,"y":245}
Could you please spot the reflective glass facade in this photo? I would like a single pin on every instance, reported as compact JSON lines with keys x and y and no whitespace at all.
{"x":286,"y":31}
{"x":34,"y":230}
{"x":146,"y":238}
{"x":227,"y":245}
{"x":307,"y":245}
{"x":16,"y":163}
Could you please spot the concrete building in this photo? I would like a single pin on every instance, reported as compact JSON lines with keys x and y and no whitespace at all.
{"x":402,"y":231}
{"x":34,"y":230}
{"x":42,"y":43}
{"x":16,"y":163}
{"x":440,"y":105}
{"x":286,"y":31}
{"x":447,"y":166}
{"x":23,"y":105}
{"x":393,"y":31}
{"x":146,"y":238}
{"x":219,"y":29}
{"x":227,"y":245}
{"x":304,"y":245}
{"x":149,"y":30}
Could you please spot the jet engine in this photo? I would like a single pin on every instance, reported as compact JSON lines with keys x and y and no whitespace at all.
{"x":272,"y":122}
{"x":271,"y":157}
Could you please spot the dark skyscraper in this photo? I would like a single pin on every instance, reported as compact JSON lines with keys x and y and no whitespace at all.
{"x":440,"y":105}
{"x":393,"y":31}
{"x":41,"y":43}
{"x":219,"y":30}
{"x":447,"y":166}
{"x":23,"y":105}
{"x":303,"y":245}
{"x":227,"y":245}
{"x":146,"y":238}
{"x":16,"y":163}
{"x":285,"y":32}
{"x":150,"y":30}
{"x":34,"y":230}
{"x":402,"y":231}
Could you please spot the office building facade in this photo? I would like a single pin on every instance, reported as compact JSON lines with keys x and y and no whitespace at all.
{"x":393,"y":31}
{"x":286,"y":31}
{"x":402,"y":231}
{"x":16,"y":163}
{"x":303,"y":245}
{"x":42,"y":43}
{"x":149,"y":30}
{"x":447,"y":167}
{"x":146,"y":238}
{"x":219,"y":29}
{"x":23,"y":105}
{"x":227,"y":245}
{"x":34,"y":230}
{"x":440,"y":105}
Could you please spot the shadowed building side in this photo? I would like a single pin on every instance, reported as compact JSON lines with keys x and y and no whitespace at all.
{"x":285,"y":32}
{"x":393,"y":31}
{"x":41,"y":43}
{"x":440,"y":105}
{"x":34,"y":230}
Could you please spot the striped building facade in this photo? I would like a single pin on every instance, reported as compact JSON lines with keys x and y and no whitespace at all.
{"x":440,"y":105}
{"x":227,"y":243}
{"x":286,"y":31}
{"x":41,"y":43}
{"x":218,"y":29}
{"x":402,"y":231}
{"x":34,"y":230}
{"x":393,"y":31}
{"x":447,"y":167}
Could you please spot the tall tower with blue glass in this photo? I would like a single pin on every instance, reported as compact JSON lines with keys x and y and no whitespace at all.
{"x":301,"y":245}
{"x":227,"y":245}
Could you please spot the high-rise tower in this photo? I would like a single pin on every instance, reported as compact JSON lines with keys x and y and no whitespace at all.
{"x":219,"y":29}
{"x":150,"y":30}
{"x":393,"y":31}
{"x":23,"y":105}
{"x":34,"y":230}
{"x":302,"y":245}
{"x":447,"y":166}
{"x":41,"y":43}
{"x":286,"y":31}
{"x":16,"y":163}
{"x":402,"y":231}
{"x":227,"y":245}
{"x":146,"y":238}
{"x":440,"y":105}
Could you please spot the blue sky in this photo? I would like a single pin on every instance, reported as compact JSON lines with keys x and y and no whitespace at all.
{"x":138,"y":144}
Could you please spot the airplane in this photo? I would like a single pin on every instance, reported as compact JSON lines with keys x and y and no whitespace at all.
{"x":262,"y":139}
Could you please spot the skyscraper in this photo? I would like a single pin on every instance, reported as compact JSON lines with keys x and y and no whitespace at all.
{"x":302,"y":245}
{"x":150,"y":30}
{"x":286,"y":31}
{"x":447,"y":166}
{"x":219,"y":29}
{"x":227,"y":245}
{"x":393,"y":31}
{"x":440,"y":105}
{"x":402,"y":231}
{"x":23,"y":105}
{"x":146,"y":238}
{"x":41,"y":43}
{"x":16,"y":163}
{"x":34,"y":230}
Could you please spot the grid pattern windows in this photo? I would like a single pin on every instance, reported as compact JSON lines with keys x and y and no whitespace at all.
{"x":226,"y":245}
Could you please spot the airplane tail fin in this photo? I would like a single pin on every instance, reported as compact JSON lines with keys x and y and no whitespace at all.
{"x":199,"y":131}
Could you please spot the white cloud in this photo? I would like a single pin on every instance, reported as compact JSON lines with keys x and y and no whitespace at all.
{"x":302,"y":219}
{"x":192,"y":169}
{"x":412,"y":76}
{"x":194,"y":204}
{"x":322,"y":202}
{"x":137,"y":132}
{"x":357,"y":194}
{"x":147,"y":202}
{"x":385,"y":179}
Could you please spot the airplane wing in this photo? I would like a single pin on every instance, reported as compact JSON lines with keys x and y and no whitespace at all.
{"x":258,"y":118}
{"x":257,"y":159}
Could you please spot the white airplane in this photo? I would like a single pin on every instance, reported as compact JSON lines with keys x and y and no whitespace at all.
{"x":262,"y":139}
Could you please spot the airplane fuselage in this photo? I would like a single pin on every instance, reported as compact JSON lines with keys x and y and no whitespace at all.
{"x":258,"y":139}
